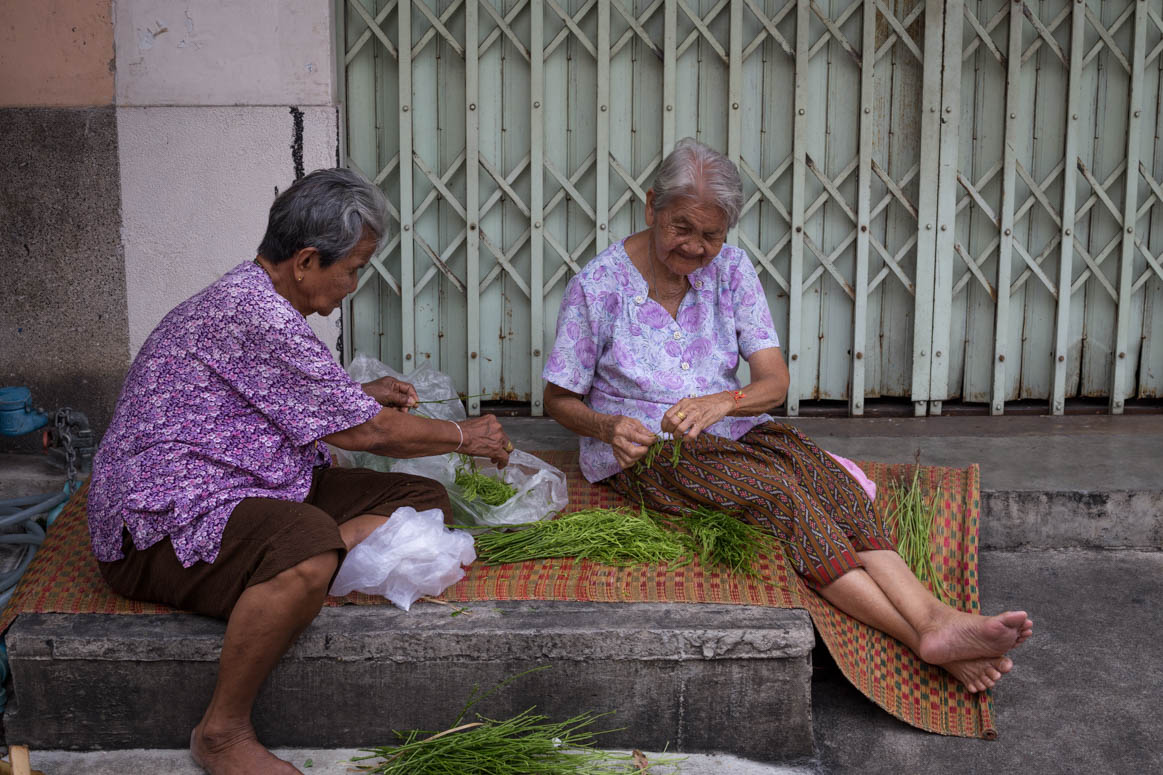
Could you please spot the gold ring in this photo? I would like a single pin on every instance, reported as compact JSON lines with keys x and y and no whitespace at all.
{"x":508,"y":446}
{"x":682,"y":415}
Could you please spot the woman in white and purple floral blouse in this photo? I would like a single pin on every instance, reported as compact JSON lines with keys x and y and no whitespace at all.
{"x":648,"y":340}
{"x":211,"y":491}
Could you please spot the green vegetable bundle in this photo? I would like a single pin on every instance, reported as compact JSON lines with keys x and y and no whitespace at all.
{"x":526,"y":744}
{"x":623,"y":536}
{"x":474,"y":484}
{"x":910,"y":516}
{"x":619,"y":536}
{"x":655,"y":450}
{"x":719,"y":538}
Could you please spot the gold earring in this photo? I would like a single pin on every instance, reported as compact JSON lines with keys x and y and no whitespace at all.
{"x":300,"y":278}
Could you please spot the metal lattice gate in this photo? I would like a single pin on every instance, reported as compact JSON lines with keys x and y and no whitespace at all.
{"x":944,"y":198}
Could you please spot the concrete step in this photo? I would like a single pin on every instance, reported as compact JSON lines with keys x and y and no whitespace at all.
{"x":678,"y":676}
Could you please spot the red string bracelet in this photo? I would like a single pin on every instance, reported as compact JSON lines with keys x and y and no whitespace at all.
{"x":738,"y":395}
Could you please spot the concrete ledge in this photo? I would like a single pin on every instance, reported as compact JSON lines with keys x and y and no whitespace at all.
{"x":1072,"y":519}
{"x":674,"y":674}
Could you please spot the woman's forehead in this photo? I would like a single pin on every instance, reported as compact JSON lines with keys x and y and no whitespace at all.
{"x":703,"y":214}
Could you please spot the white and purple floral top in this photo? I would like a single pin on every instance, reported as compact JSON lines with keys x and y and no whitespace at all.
{"x":625,"y":353}
{"x":225,"y":401}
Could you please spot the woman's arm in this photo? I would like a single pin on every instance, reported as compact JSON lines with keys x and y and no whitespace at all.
{"x":396,"y":433}
{"x":767,"y":390}
{"x":626,"y":436}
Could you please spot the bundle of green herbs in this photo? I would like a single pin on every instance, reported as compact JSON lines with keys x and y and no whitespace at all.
{"x":655,"y":450}
{"x":911,"y":515}
{"x":526,"y":744}
{"x":475,"y":485}
{"x":719,"y":538}
{"x":620,"y":536}
{"x":625,"y":536}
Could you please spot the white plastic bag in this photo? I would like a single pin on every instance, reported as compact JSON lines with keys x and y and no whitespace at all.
{"x":541,"y":488}
{"x":411,"y":555}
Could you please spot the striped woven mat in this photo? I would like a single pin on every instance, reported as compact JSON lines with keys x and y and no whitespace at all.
{"x":63,"y":578}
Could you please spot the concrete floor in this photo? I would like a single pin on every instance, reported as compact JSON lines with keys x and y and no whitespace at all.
{"x":338,"y":762}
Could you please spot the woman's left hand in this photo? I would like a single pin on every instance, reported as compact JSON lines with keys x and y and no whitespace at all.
{"x":391,"y":392}
{"x":691,"y":416}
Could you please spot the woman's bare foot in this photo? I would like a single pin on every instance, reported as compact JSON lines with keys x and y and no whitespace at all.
{"x":958,"y":636}
{"x":235,"y":753}
{"x":977,"y":675}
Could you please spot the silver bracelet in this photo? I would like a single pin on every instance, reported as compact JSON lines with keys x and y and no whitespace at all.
{"x":458,"y":430}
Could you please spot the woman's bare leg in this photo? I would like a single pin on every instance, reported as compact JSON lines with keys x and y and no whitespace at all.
{"x":264,"y":623}
{"x":969,"y":647}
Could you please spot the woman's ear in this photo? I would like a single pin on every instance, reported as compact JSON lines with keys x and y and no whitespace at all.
{"x":304,"y":260}
{"x":649,"y":207}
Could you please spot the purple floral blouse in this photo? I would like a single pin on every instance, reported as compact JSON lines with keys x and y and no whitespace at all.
{"x":225,"y":401}
{"x":625,"y":353}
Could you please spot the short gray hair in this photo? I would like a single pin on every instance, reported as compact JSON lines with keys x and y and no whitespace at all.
{"x":329,"y":210}
{"x":696,"y":171}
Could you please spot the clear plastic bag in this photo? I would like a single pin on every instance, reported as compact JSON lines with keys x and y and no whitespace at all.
{"x":541,"y":488}
{"x":430,"y":385}
{"x":411,"y":555}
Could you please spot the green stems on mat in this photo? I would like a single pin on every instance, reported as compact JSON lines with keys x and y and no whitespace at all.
{"x":910,"y":516}
{"x":623,"y":536}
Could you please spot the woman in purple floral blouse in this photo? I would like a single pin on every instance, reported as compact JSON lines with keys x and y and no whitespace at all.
{"x":211,"y":490}
{"x":648,"y":340}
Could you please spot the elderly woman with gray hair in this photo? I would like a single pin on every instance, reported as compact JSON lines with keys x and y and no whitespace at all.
{"x":211,"y":491}
{"x":649,"y":337}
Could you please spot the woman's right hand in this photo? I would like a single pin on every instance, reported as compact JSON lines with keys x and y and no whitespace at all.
{"x":629,"y":439}
{"x":484,"y":437}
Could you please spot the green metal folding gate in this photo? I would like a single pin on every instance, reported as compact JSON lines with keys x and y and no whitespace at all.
{"x":945,"y":199}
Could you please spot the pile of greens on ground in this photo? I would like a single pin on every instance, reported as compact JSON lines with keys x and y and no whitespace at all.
{"x":526,"y":744}
{"x":625,"y":536}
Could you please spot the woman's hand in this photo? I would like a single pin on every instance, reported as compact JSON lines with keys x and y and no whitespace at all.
{"x":628,"y":438}
{"x":484,"y":437}
{"x":392,"y":392}
{"x":691,"y":416}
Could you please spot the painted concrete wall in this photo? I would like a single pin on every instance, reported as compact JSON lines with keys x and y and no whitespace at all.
{"x":206,"y":135}
{"x":196,"y":186}
{"x":258,"y":52}
{"x":56,"y":52}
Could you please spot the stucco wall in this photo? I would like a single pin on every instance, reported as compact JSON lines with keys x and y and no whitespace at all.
{"x":258,"y":52}
{"x":206,"y":134}
{"x":56,"y":52}
{"x":196,"y":185}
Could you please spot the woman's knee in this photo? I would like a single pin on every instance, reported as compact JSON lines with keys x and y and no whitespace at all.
{"x":310,"y":576}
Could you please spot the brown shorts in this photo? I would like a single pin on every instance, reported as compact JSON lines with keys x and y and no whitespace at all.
{"x":265,"y":537}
